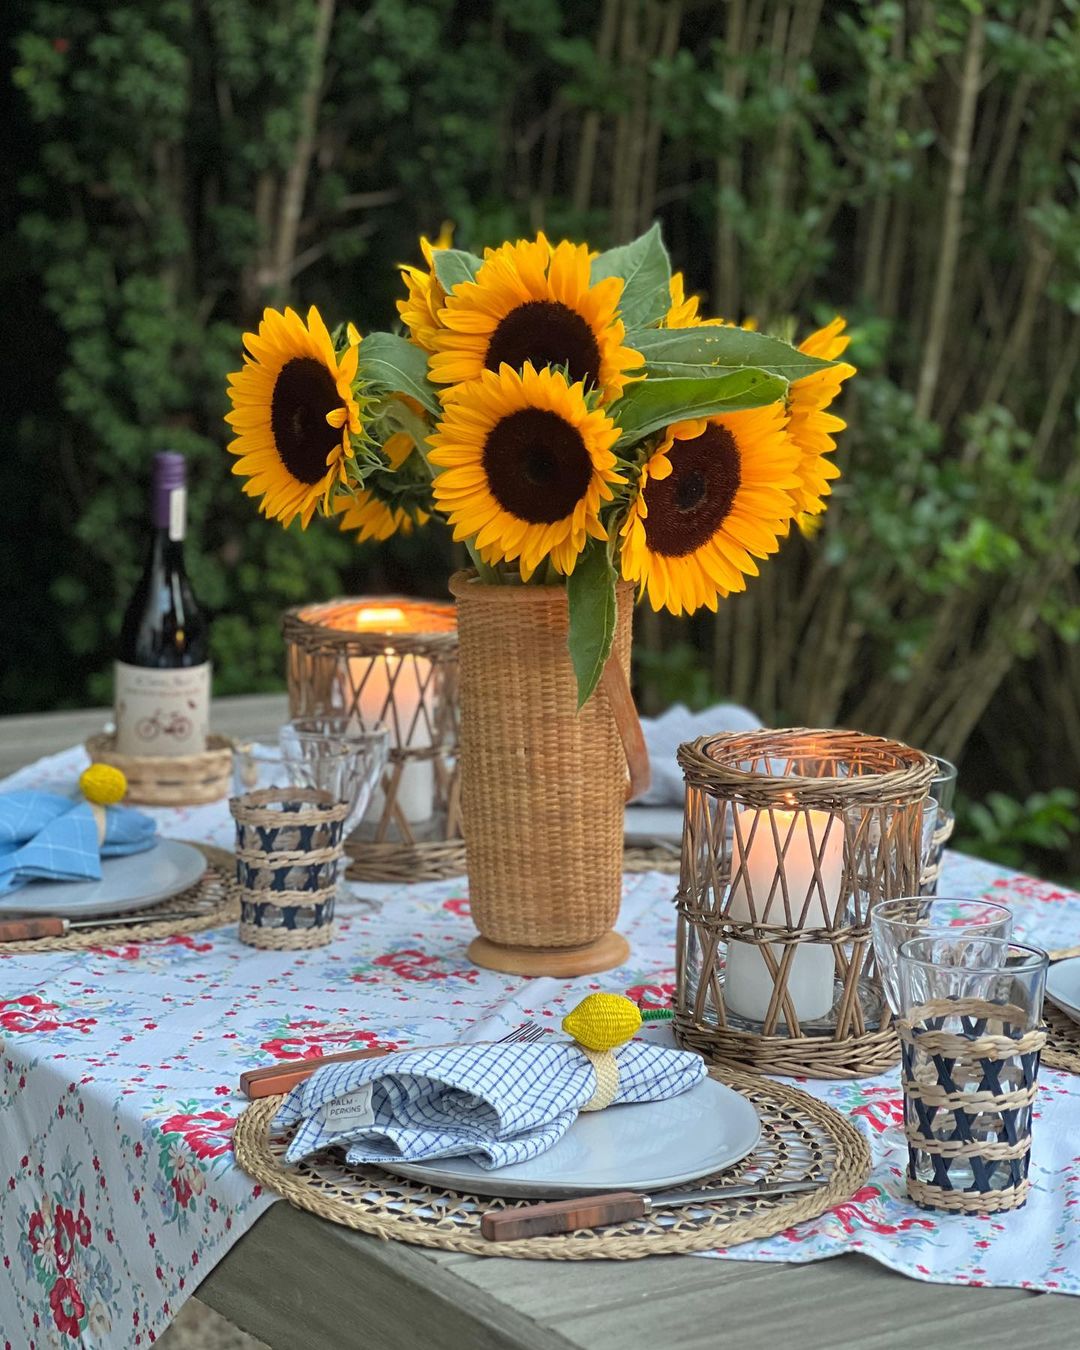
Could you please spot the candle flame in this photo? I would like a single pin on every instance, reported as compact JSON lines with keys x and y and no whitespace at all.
{"x":381,"y":618}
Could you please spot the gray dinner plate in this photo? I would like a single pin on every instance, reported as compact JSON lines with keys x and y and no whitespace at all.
{"x":127,"y":883}
{"x":642,"y":1146}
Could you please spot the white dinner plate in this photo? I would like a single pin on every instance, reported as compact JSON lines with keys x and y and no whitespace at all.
{"x":1063,"y":986}
{"x":645,"y":826}
{"x":642,"y":1146}
{"x":127,"y":883}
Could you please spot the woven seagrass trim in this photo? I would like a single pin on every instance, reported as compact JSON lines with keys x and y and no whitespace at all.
{"x":169,"y":780}
{"x":214,"y":898}
{"x":256,"y":808}
{"x":967,"y":1202}
{"x":1062,"y":1040}
{"x":802,"y":1139}
{"x":287,"y":939}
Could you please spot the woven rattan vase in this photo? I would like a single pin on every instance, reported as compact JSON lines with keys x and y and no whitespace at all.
{"x":542,"y":786}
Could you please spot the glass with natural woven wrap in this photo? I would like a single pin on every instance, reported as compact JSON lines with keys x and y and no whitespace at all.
{"x":970,"y":1033}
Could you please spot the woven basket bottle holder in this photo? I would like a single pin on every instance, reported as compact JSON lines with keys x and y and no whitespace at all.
{"x":790,"y":838}
{"x":288,"y":848}
{"x":543,"y":785}
{"x":407,"y":680}
{"x":967,"y":1105}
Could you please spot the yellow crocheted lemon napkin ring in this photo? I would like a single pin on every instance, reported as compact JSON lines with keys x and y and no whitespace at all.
{"x":102,"y":785}
{"x":599,"y":1024}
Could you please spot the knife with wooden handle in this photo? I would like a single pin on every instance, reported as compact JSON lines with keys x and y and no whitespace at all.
{"x":594,"y":1211}
{"x":50,"y":925}
{"x":274,"y":1078}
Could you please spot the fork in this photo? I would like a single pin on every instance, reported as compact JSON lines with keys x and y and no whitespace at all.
{"x":275,"y":1078}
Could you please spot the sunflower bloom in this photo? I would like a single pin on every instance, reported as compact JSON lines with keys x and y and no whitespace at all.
{"x":293,"y":413}
{"x":683,"y":312}
{"x":365,"y":511}
{"x":714,"y":495}
{"x":534,"y":303}
{"x":526,"y":466}
{"x":810,"y":425}
{"x":420,"y":309}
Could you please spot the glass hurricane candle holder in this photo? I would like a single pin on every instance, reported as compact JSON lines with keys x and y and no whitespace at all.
{"x":389,"y":660}
{"x":790,"y":839}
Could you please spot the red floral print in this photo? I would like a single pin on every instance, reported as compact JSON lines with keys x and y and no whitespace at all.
{"x":64,"y":1238}
{"x":310,"y":1040}
{"x":67,"y":1306}
{"x":29,"y":1013}
{"x":207,"y":1134}
{"x":414,"y":964}
{"x":651,"y":995}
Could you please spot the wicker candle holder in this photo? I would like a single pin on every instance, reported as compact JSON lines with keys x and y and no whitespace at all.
{"x":790,"y":838}
{"x":288,"y":852}
{"x":392,"y":660}
{"x":968,"y":1096}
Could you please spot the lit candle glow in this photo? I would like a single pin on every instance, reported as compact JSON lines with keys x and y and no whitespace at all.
{"x":801,"y":836}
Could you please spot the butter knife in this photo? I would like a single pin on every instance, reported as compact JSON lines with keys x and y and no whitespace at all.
{"x":51,"y":925}
{"x":594,"y":1211}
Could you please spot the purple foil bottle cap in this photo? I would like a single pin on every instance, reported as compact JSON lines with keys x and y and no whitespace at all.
{"x":170,"y":473}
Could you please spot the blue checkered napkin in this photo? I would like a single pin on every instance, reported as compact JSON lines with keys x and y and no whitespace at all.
{"x":497,"y":1104}
{"x":45,"y":835}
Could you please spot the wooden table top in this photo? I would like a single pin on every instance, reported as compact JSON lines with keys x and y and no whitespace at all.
{"x":299,"y":1283}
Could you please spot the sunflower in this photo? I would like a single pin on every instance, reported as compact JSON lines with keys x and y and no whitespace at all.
{"x":810,"y":425}
{"x":420,"y":309}
{"x":293,"y":412}
{"x":714,"y":495}
{"x":526,"y":465}
{"x":683,"y":312}
{"x":532,"y":302}
{"x":365,"y":510}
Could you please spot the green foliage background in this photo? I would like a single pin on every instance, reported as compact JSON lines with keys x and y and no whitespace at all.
{"x":181,"y":163}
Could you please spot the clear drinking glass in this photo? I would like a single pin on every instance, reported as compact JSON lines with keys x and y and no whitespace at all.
{"x":939,"y":820}
{"x":346,"y":770}
{"x":965,"y":1000}
{"x":312,"y":739}
{"x":894,"y":922}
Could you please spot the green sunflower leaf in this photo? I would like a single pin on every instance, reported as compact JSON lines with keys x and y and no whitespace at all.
{"x":651,"y":404}
{"x":645,"y":268}
{"x":392,"y":365}
{"x":454,"y":265}
{"x":590,"y":590}
{"x":668,"y":351}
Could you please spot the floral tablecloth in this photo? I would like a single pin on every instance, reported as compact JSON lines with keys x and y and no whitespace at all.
{"x":118,"y":1192}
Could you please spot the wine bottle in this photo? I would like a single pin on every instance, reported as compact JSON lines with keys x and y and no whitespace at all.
{"x":162,"y":682}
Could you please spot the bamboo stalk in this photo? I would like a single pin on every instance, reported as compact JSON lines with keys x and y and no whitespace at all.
{"x":959,"y":154}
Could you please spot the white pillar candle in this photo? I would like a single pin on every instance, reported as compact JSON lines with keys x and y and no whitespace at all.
{"x":397,"y":690}
{"x":800,"y":837}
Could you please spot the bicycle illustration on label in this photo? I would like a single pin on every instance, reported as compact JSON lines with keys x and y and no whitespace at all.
{"x":175,"y":724}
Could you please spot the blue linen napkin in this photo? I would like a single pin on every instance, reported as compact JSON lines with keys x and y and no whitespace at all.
{"x":496,"y":1104}
{"x":46,"y":835}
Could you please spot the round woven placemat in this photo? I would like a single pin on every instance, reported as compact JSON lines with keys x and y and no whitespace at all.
{"x":213,"y":900}
{"x":1062,"y":1049}
{"x":655,"y":859}
{"x":802,"y":1139}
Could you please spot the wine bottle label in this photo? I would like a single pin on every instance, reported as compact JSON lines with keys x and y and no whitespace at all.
{"x":177,"y":513}
{"x":162,"y":712}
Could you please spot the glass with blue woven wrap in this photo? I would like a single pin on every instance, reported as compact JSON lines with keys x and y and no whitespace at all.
{"x":970,"y":1032}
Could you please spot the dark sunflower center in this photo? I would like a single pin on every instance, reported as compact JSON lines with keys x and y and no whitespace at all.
{"x":304,"y":393}
{"x":547,"y":333}
{"x":536,"y":465}
{"x":687,"y":508}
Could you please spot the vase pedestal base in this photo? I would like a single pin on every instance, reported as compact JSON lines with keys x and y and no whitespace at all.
{"x":608,"y":951}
